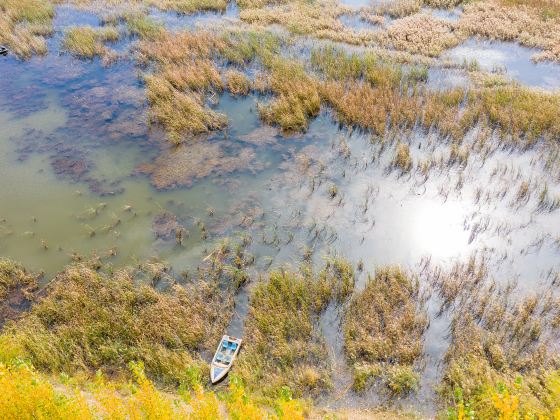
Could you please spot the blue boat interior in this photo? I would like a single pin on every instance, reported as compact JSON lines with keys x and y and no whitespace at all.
{"x":227,"y":350}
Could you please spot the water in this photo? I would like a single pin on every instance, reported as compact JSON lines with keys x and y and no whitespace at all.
{"x":510,"y":58}
{"x":357,"y":4}
{"x":75,"y":149}
{"x":451,"y":15}
{"x":355,"y":22}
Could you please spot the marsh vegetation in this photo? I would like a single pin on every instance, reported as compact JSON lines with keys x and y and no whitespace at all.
{"x":376,"y":217}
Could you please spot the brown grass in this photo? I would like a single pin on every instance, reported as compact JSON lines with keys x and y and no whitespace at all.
{"x":87,"y":42}
{"x":397,"y":9}
{"x":495,"y":338}
{"x":24,"y":25}
{"x":402,"y":159}
{"x":421,"y":33}
{"x":237,"y":82}
{"x":185,"y":75}
{"x":383,"y":329}
{"x":521,"y":24}
{"x":284,"y":345}
{"x":318,"y":18}
{"x":297,"y":97}
{"x":181,"y":113}
{"x":89,"y":320}
{"x":190,"y":6}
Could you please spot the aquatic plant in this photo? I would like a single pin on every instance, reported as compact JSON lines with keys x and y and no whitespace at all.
{"x":186,"y":75}
{"x":547,"y":9}
{"x":495,"y":339}
{"x":24,"y":25}
{"x":87,"y":42}
{"x":421,"y":33}
{"x":297,"y":97}
{"x":237,"y":82}
{"x":190,"y":6}
{"x":15,"y":276}
{"x":181,"y":112}
{"x":183,"y":165}
{"x":396,"y":9}
{"x":523,"y":24}
{"x":143,"y":26}
{"x":383,"y":328}
{"x":284,"y":346}
{"x":402,"y":159}
{"x":89,"y":321}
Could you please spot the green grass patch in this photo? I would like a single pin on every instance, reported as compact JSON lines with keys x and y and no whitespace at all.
{"x":143,"y":26}
{"x":87,"y":42}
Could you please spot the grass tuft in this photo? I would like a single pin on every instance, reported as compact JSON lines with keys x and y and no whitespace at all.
{"x":383,"y":329}
{"x":87,"y":42}
{"x":24,"y":25}
{"x":237,"y":82}
{"x":284,"y":345}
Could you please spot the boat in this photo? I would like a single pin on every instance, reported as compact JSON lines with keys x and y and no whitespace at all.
{"x":223,"y":359}
{"x":3,"y":50}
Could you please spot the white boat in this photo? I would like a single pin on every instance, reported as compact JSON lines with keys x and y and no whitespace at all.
{"x":225,"y":355}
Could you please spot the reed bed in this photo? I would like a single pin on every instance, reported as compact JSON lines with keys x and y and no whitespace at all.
{"x":89,"y":320}
{"x":521,"y":24}
{"x":318,"y":18}
{"x":180,"y":112}
{"x":397,"y":9}
{"x":186,"y":76}
{"x":24,"y":25}
{"x":88,"y":42}
{"x":383,"y":328}
{"x":298,"y":17}
{"x":189,"y":6}
{"x":296,"y":97}
{"x":547,"y":9}
{"x":284,"y":345}
{"x":363,"y":90}
{"x":376,"y":95}
{"x":421,"y":33}
{"x":143,"y":26}
{"x":496,"y":339}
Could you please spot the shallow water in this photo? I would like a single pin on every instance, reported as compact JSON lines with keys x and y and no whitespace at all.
{"x":73,"y":135}
{"x":509,"y":58}
{"x":355,"y":22}
{"x":356,"y":3}
{"x":451,"y":15}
